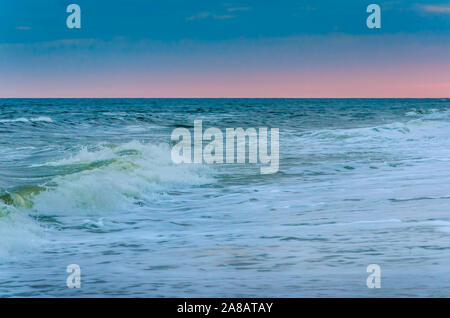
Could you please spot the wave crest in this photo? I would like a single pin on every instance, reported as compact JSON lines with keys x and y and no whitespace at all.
{"x":18,"y":232}
{"x":27,"y":120}
{"x":115,"y":177}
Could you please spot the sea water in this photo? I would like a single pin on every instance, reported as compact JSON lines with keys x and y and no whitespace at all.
{"x":91,"y":182}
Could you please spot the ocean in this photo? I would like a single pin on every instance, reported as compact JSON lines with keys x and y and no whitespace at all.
{"x":91,"y":182}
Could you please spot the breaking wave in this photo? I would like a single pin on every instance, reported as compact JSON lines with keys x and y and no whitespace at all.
{"x":18,"y":232}
{"x":109,"y":179}
{"x":431,"y":124}
{"x":27,"y":120}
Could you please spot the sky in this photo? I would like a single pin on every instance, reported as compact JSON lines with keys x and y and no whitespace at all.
{"x":213,"y":48}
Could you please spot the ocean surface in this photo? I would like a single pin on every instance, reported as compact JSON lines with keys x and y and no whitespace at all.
{"x":91,"y":182}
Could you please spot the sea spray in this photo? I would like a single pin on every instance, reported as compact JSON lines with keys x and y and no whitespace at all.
{"x":135,"y":172}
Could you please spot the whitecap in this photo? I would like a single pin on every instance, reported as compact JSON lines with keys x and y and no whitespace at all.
{"x":42,"y":118}
{"x":19,"y":233}
{"x":22,"y":120}
{"x":26,"y":120}
{"x":137,"y":172}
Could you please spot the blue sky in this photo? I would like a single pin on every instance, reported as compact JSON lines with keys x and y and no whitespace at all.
{"x":172,"y":20}
{"x":134,"y":45}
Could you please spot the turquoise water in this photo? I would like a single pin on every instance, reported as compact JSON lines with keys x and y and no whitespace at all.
{"x":91,"y":182}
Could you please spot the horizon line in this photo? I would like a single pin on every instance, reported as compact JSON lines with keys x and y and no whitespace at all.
{"x":124,"y":97}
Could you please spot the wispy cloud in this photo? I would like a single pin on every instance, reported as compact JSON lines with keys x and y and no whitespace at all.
{"x":223,"y":16}
{"x":226,"y":13}
{"x":199,"y":16}
{"x":23,"y":28}
{"x":56,"y":44}
{"x":235,"y":9}
{"x":206,"y":15}
{"x":442,"y":8}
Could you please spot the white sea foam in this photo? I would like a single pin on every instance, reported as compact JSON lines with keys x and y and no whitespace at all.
{"x":433,"y":124}
{"x":27,"y":120}
{"x":18,"y":232}
{"x":22,"y":120}
{"x":365,"y":192}
{"x":138,"y":172}
{"x":83,"y":156}
{"x":42,"y":118}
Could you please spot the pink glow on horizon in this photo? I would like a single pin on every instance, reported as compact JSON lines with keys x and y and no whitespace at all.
{"x":419,"y":82}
